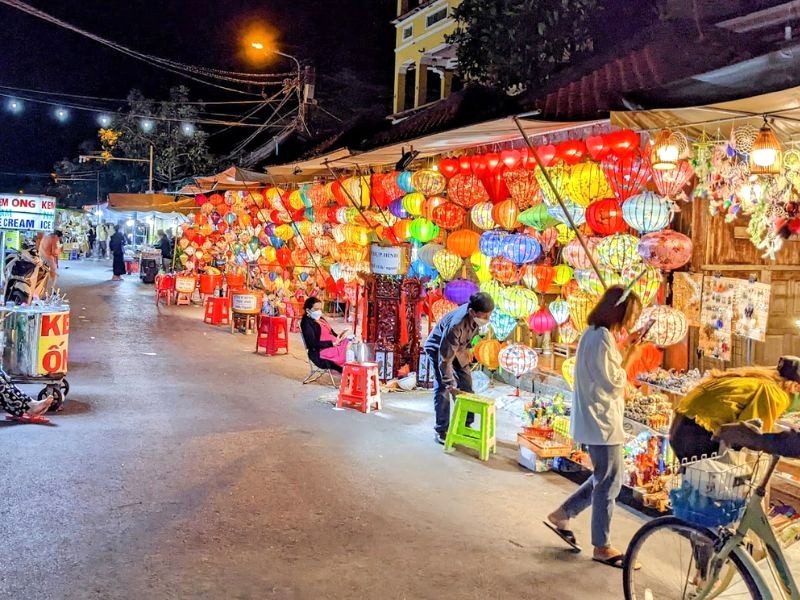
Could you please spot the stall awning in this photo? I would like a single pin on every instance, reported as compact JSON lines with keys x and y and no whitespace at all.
{"x":481,"y":134}
{"x":233,"y":178}
{"x":782,"y":106}
{"x":306,"y":170}
{"x":162,"y":203}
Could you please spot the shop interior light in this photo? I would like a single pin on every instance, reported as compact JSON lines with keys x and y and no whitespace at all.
{"x":61,"y":114}
{"x":14,"y":106}
{"x":103,"y":120}
{"x":766,"y":156}
{"x":668,"y":147}
{"x":130,"y":222}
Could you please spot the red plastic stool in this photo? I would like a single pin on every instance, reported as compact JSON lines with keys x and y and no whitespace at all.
{"x":278,"y":337}
{"x":262,"y":333}
{"x":165,"y":287}
{"x":218,"y":310}
{"x":360,"y":387}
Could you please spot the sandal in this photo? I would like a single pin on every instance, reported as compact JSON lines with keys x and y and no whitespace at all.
{"x":617,"y":561}
{"x":565,"y":534}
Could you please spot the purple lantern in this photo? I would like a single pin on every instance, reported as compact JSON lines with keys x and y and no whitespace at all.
{"x":396,"y":208}
{"x":215,"y":217}
{"x":458,"y":291}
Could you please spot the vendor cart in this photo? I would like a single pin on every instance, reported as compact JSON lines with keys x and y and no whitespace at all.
{"x":35,"y":342}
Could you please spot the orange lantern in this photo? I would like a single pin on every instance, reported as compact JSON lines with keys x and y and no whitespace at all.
{"x":441,"y":307}
{"x":504,"y":270}
{"x":431,"y":204}
{"x":467,"y":190}
{"x":486,"y":353}
{"x":505,"y":214}
{"x":463,"y":242}
{"x":402,"y":229}
{"x":447,"y":215}
{"x":544,"y":276}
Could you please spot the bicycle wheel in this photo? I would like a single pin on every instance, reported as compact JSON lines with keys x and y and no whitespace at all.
{"x":674,"y":557}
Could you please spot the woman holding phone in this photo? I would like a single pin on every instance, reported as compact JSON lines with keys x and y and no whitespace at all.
{"x":326,"y":348}
{"x":597,"y":418}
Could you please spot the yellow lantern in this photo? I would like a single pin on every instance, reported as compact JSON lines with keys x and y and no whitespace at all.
{"x":581,"y":304}
{"x":480,"y":264}
{"x":646,"y":286}
{"x":565,"y":234}
{"x":273,"y":197}
{"x":519,"y":302}
{"x":587,"y":182}
{"x":359,"y":190}
{"x":567,"y":334}
{"x":494,"y":289}
{"x":563,"y":273}
{"x":619,"y":251}
{"x":296,"y":200}
{"x":481,"y":215}
{"x":568,"y":371}
{"x":304,"y":228}
{"x":447,"y":263}
{"x":429,"y":182}
{"x":559,"y":175}
{"x":414,"y":203}
{"x":269,"y":253}
{"x":486,"y":353}
{"x":284,"y":232}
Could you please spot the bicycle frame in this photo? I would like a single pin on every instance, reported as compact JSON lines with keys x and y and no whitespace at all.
{"x":755,"y":519}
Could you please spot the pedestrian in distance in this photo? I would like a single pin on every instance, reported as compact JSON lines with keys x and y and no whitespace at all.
{"x":91,"y":237}
{"x":449,"y":349}
{"x":117,"y":246}
{"x":597,"y":418}
{"x":165,"y":245}
{"x":102,"y":240}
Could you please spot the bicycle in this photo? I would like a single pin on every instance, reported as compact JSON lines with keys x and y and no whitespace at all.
{"x":681,"y":558}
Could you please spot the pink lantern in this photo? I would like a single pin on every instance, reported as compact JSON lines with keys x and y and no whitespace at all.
{"x":670,"y":182}
{"x":541,"y":321}
{"x":518,"y":359}
{"x":666,"y":250}
{"x":575,"y":255}
{"x":627,"y":176}
{"x":547,"y":238}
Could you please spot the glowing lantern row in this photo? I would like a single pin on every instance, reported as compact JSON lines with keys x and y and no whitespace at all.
{"x":665,"y":250}
{"x":447,"y":263}
{"x":518,"y":302}
{"x":542,"y":321}
{"x":580,"y":305}
{"x":502,"y":324}
{"x":605,"y":217}
{"x":463,"y":242}
{"x":670,"y":325}
{"x":521,"y":249}
{"x":587,"y":182}
{"x":487,"y":352}
{"x":647,"y":212}
{"x":518,"y":359}
{"x":459,"y":290}
{"x":560,"y":310}
{"x":618,"y":251}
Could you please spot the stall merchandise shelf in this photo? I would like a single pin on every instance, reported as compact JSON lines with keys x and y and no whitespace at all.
{"x":664,"y":389}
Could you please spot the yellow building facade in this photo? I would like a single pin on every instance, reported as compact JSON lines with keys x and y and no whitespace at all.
{"x":424,"y":61}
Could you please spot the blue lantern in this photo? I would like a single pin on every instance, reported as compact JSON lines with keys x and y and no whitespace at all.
{"x":521,"y":249}
{"x":404,"y":182}
{"x":396,"y":208}
{"x":647,"y":212}
{"x":276,"y":242}
{"x":304,"y":194}
{"x":303,"y":276}
{"x":502,"y":324}
{"x":577,"y":212}
{"x":419,"y":269}
{"x":491,"y":243}
{"x":273,"y":275}
{"x":459,"y":290}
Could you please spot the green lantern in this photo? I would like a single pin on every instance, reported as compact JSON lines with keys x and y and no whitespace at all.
{"x":423,"y":230}
{"x":537,"y":217}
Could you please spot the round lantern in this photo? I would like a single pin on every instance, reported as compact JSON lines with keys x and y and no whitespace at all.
{"x":577,"y":212}
{"x":669,"y":328}
{"x":505,"y":214}
{"x":494,"y":289}
{"x":521,"y":249}
{"x":447,"y":263}
{"x":441,"y":307}
{"x":467,"y":190}
{"x":486,"y":353}
{"x":518,"y":359}
{"x":423,"y":230}
{"x":565,"y":234}
{"x":398,"y":210}
{"x":504,"y":270}
{"x":627,"y":176}
{"x":618,"y":251}
{"x":405,"y":182}
{"x":646,"y":286}
{"x":448,"y":215}
{"x":481,"y":265}
{"x":284,"y":257}
{"x":463,"y":242}
{"x":491,"y":243}
{"x":502,"y":324}
{"x":580,"y":305}
{"x":568,"y":371}
{"x":647,"y":212}
{"x":547,"y":238}
{"x":481,"y":215}
{"x":523,"y":187}
{"x":587,"y":182}
{"x":429,"y":182}
{"x":559,"y":176}
{"x":402,"y":229}
{"x":544,"y":275}
{"x":567,"y":334}
{"x":428,"y":252}
{"x":431,"y":204}
{"x":518,"y":302}
{"x":562,"y":274}
{"x":528,"y":277}
{"x":605,"y":217}
{"x":560,"y":310}
{"x":670,"y":183}
{"x":459,"y":290}
{"x":414,"y":203}
{"x":666,"y":250}
{"x":421,"y":270}
{"x":575,"y":255}
{"x":542,"y":321}
{"x":537,"y":217}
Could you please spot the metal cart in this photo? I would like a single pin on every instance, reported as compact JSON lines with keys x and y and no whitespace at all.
{"x":35,"y":342}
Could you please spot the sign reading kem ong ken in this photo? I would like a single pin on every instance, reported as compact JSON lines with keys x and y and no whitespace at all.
{"x":27,"y":213}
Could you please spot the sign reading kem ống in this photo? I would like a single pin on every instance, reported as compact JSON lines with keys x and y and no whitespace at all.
{"x":27,"y":213}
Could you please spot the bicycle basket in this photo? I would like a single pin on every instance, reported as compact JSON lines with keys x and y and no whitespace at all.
{"x":713,"y":492}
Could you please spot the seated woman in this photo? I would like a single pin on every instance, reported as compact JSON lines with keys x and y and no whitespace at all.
{"x":731,"y":397}
{"x":326,"y":348}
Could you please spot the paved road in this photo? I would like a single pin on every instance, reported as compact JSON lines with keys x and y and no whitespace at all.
{"x":184,"y":466}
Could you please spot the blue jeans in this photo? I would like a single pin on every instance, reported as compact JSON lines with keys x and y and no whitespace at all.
{"x":441,"y":399}
{"x":600,"y":492}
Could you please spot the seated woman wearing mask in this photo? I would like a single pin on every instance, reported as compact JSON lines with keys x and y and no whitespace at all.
{"x":324,"y":345}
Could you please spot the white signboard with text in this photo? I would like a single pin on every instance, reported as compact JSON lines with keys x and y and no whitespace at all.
{"x":386,"y":260}
{"x":27,"y":213}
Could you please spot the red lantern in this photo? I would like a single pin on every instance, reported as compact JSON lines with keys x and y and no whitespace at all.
{"x":670,"y":182}
{"x":597,"y":147}
{"x":504,"y":270}
{"x":523,"y":187}
{"x":510,"y":158}
{"x":464,"y":165}
{"x":605,"y":217}
{"x":466,"y":190}
{"x":200,"y":199}
{"x":448,"y":216}
{"x":544,"y":275}
{"x":547,"y":154}
{"x":627,"y":176}
{"x":623,"y":143}
{"x":431,"y":204}
{"x":478,"y":165}
{"x":541,"y":321}
{"x":463,"y":242}
{"x":571,"y":151}
{"x":284,"y":256}
{"x":495,"y":185}
{"x":377,"y":191}
{"x":492,"y":161}
{"x":392,"y":190}
{"x":448,"y":167}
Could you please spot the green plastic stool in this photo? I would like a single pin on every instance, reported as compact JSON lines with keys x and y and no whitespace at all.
{"x":482,"y":439}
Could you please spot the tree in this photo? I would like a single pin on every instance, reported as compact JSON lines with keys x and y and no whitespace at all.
{"x":170,"y":127}
{"x":516,"y":44}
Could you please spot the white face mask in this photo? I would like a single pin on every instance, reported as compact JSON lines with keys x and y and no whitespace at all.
{"x":481,"y":322}
{"x":315,"y":314}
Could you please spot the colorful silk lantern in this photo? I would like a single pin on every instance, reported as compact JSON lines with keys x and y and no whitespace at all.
{"x":481,"y":215}
{"x":669,"y":328}
{"x":518,"y":302}
{"x":670,"y":183}
{"x":448,"y":215}
{"x":429,"y":182}
{"x":504,"y":270}
{"x":544,"y":275}
{"x":560,"y":310}
{"x":578,"y":213}
{"x":486,"y":353}
{"x":647,"y":212}
{"x":459,"y":290}
{"x":414,"y":203}
{"x":494,"y":289}
{"x":627,"y":176}
{"x":559,"y":177}
{"x":397,"y":209}
{"x":537,"y":217}
{"x":505,"y":214}
{"x":666,"y":250}
{"x":647,"y":282}
{"x":568,"y":371}
{"x":580,"y":305}
{"x":467,"y":190}
{"x":587,"y":182}
{"x":448,"y":167}
{"x":528,"y":277}
{"x":567,"y":334}
{"x":618,"y":251}
{"x":502,"y":324}
{"x":605,"y":217}
{"x":562,"y":274}
{"x":419,"y":269}
{"x":491,"y":243}
{"x":463,"y":242}
{"x":441,"y":307}
{"x":405,"y":181}
{"x":518,"y":359}
{"x":428,"y":252}
{"x":523,"y":187}
{"x":589,"y":281}
{"x":495,"y":186}
{"x":431,"y":204}
{"x":541,"y":321}
{"x":481,"y":265}
{"x":575,"y":255}
{"x":423,"y":230}
{"x":520,"y":249}
{"x":547,"y":238}
{"x":402,"y":229}
{"x":447,"y":263}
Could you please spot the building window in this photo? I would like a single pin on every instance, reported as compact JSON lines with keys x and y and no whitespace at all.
{"x":433,"y":18}
{"x":408,"y":32}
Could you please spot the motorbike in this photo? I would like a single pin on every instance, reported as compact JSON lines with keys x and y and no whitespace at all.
{"x":26,"y":276}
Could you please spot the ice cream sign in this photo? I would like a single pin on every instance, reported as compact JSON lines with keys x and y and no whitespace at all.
{"x":27,"y":213}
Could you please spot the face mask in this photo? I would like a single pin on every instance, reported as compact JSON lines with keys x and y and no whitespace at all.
{"x":481,"y":322}
{"x":315,"y":314}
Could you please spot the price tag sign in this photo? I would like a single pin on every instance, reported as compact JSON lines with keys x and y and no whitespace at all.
{"x":27,"y":213}
{"x":53,"y":343}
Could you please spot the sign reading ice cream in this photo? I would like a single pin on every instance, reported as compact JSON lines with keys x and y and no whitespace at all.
{"x":27,"y":213}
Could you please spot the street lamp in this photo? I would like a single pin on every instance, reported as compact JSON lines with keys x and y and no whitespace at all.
{"x":14,"y":106}
{"x":260,"y":46}
{"x":104,"y":120}
{"x":62,"y":114}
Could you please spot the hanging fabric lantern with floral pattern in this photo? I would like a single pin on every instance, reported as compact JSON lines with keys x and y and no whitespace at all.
{"x":502,"y":324}
{"x":467,"y":190}
{"x":666,"y":250}
{"x":580,"y":305}
{"x":559,"y":176}
{"x":523,"y":187}
{"x":587,"y":182}
{"x":645,"y":286}
{"x":671,"y":183}
{"x":518,"y":302}
{"x":448,"y":215}
{"x":575,"y":255}
{"x":429,"y":182}
{"x":619,"y":251}
{"x":441,"y":307}
{"x":486,"y":353}
{"x":481,"y":215}
{"x":605,"y":217}
{"x":447,"y":263}
{"x":627,"y":176}
{"x":521,"y":249}
{"x":537,"y":217}
{"x":504,"y":270}
{"x":518,"y":359}
{"x":542,"y":321}
{"x":491,"y":243}
{"x":669,"y":328}
{"x":560,"y":310}
{"x":567,"y":334}
{"x":647,"y":212}
{"x":528,"y":278}
{"x":547,"y":238}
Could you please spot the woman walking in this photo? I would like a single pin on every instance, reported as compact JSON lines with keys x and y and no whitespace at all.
{"x":597,"y":419}
{"x":117,"y":246}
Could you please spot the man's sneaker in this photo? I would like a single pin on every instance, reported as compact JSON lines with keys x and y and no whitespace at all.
{"x":440,"y":437}
{"x":39,"y":407}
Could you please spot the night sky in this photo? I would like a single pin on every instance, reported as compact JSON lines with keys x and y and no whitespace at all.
{"x":330,"y":34}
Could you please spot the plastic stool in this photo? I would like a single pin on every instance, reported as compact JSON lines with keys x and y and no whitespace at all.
{"x":262,"y":333}
{"x":482,"y":439}
{"x":278,"y":337}
{"x":183,"y":299}
{"x":165,"y":286}
{"x":247,"y":320}
{"x":360,"y":387}
{"x":218,"y":310}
